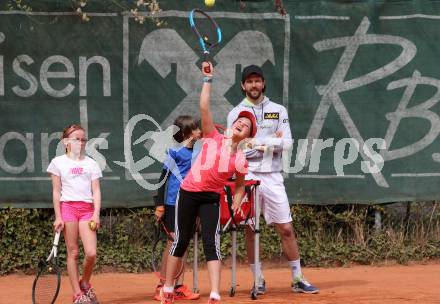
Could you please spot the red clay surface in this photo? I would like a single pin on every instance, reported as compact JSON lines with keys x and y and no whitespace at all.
{"x":359,"y":284}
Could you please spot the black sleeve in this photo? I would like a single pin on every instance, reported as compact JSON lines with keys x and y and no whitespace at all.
{"x":159,"y":198}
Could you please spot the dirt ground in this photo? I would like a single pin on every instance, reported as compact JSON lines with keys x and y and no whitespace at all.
{"x":358,"y":284}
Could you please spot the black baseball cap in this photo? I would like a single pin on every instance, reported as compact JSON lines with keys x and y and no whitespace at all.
{"x":251,"y":69}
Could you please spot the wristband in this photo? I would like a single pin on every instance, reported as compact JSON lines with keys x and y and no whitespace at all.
{"x":207,"y":79}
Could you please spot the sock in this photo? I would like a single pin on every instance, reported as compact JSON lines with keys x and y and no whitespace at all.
{"x":260,"y":267}
{"x":214,"y":295}
{"x":295,"y":267}
{"x":168,"y":289}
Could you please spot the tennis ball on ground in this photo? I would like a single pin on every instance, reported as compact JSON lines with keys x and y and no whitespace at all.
{"x":92,"y":225}
{"x":209,"y":2}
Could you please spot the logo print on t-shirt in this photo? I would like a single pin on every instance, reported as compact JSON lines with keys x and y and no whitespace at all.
{"x":272,"y":115}
{"x":77,"y":170}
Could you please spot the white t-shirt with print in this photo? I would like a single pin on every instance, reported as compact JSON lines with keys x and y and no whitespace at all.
{"x":76,"y":177}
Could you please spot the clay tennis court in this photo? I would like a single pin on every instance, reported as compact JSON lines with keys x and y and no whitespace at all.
{"x":357,"y":284}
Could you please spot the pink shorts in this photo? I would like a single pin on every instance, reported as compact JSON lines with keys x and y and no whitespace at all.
{"x":76,"y":211}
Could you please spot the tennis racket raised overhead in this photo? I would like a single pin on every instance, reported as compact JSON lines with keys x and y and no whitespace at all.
{"x":47,"y":282}
{"x":158,"y":255}
{"x":208,"y":32}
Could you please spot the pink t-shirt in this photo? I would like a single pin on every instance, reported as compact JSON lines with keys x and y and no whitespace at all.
{"x":214,"y":165}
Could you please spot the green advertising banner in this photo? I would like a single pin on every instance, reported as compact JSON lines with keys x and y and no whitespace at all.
{"x":359,"y":81}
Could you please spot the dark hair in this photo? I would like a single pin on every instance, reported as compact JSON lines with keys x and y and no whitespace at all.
{"x":186,"y":125}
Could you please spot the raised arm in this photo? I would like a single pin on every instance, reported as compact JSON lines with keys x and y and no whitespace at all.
{"x":205,"y":99}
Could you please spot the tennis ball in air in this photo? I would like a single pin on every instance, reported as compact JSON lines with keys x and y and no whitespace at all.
{"x":209,"y":2}
{"x":92,"y":225}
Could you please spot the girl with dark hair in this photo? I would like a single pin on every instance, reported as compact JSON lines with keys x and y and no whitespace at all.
{"x":176,"y":167}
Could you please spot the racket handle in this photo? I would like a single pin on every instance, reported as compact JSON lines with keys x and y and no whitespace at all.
{"x":207,"y":68}
{"x":56,"y":238}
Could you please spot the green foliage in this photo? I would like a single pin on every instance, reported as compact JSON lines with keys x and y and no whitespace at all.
{"x":24,"y":237}
{"x":19,"y":5}
{"x":82,"y":8}
{"x":329,"y":235}
{"x":343,"y":234}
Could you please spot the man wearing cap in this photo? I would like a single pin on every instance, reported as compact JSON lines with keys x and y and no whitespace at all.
{"x":265,"y":164}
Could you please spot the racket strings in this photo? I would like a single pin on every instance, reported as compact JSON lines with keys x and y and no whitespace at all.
{"x":206,"y":29}
{"x":163,"y":236}
{"x":46,"y":288}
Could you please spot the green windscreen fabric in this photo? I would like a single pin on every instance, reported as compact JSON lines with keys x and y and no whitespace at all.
{"x":359,"y":79}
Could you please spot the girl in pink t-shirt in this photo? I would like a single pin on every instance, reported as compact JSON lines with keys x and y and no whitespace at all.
{"x":220,"y":159}
{"x":76,"y":199}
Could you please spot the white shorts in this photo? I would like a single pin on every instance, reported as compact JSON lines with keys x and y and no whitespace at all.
{"x":273,"y":198}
